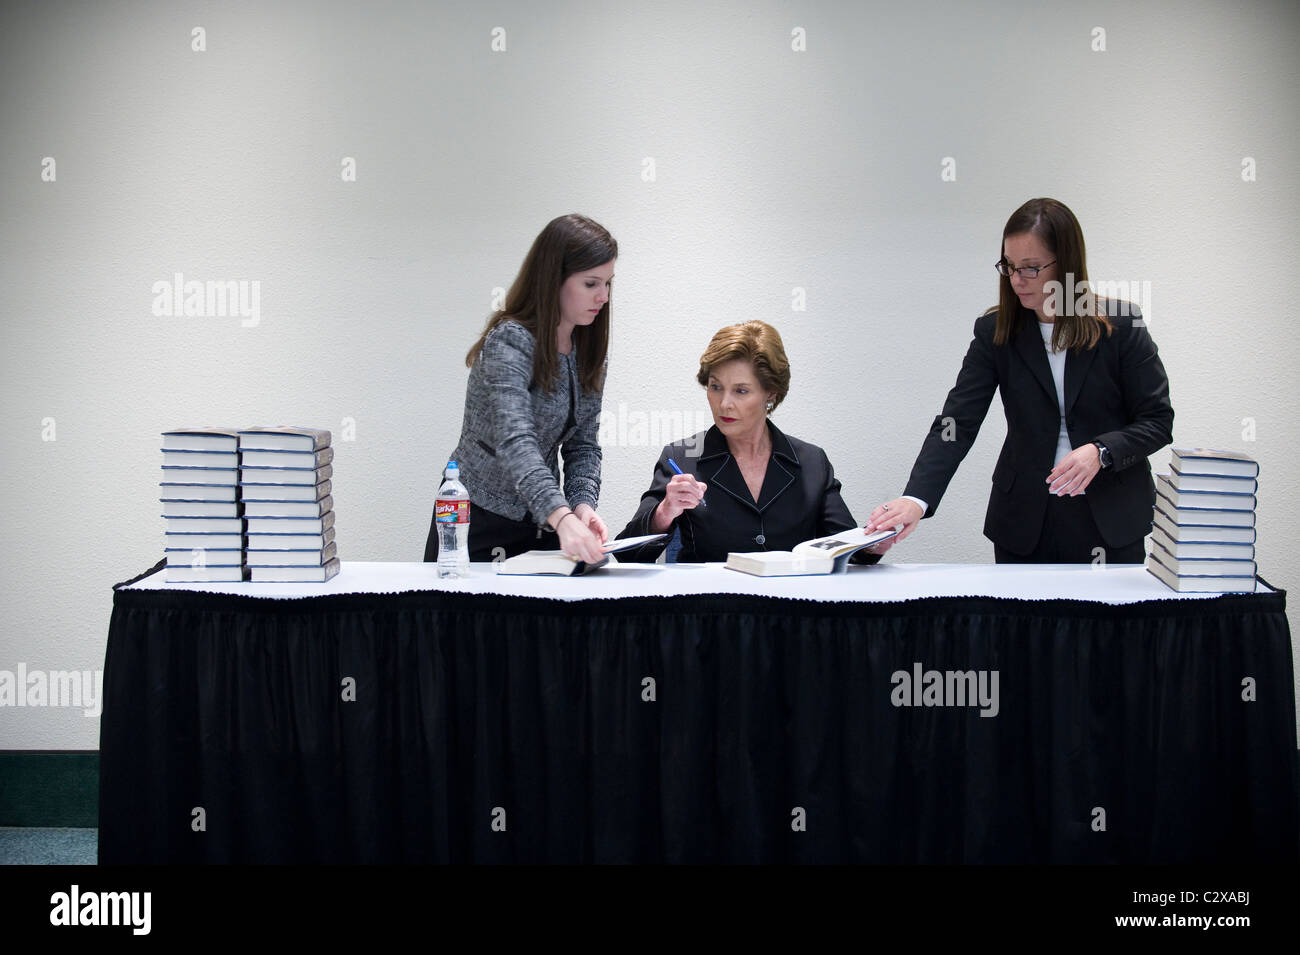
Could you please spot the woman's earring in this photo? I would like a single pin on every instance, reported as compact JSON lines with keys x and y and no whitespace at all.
{"x":769,"y":406}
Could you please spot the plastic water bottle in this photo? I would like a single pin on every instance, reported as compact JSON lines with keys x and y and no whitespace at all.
{"x":452,"y":514}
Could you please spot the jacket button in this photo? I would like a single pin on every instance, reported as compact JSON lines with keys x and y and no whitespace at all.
{"x":760,"y":540}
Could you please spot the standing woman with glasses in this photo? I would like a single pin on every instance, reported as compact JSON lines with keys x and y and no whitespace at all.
{"x":1086,"y":400}
{"x":537,"y":375}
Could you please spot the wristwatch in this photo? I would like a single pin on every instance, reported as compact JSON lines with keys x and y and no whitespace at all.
{"x":1106,"y":459}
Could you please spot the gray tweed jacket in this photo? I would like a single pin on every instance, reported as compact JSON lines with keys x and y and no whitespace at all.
{"x":514,"y":432}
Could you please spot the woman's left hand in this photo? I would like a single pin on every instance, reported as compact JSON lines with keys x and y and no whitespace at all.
{"x":1075,"y":472}
{"x":901,"y":513}
{"x":587,"y":514}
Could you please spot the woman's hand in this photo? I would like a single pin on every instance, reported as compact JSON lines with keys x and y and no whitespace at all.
{"x":1075,"y":472}
{"x":881,"y":547}
{"x":576,"y":538}
{"x":899,"y":511}
{"x":683,"y":493}
{"x":587,"y":514}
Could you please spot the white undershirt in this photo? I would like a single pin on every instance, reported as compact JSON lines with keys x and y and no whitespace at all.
{"x":1056,"y":360}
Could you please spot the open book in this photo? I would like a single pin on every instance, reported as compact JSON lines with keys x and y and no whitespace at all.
{"x":822,"y":555}
{"x":559,"y":564}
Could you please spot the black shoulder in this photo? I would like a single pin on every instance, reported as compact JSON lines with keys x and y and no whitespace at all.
{"x":806,"y":451}
{"x":986,"y":324}
{"x":689,"y":447}
{"x":1122,"y":314}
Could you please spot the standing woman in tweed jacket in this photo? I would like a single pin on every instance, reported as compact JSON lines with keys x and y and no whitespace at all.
{"x":537,"y":374}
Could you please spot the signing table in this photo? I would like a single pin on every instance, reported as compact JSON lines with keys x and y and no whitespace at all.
{"x":687,"y":713}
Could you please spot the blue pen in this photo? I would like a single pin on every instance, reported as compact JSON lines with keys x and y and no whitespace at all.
{"x":673,"y":464}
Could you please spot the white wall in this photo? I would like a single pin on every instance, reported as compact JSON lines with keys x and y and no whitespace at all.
{"x":774,"y":169}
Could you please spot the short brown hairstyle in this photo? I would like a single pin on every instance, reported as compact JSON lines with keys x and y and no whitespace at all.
{"x":757,"y":343}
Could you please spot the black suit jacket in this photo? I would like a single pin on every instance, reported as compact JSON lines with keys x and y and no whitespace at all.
{"x":1116,"y":393}
{"x":800,"y":499}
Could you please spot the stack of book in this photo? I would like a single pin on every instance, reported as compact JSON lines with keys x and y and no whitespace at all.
{"x":204,"y":539}
{"x":285,"y":480}
{"x":1204,"y":533}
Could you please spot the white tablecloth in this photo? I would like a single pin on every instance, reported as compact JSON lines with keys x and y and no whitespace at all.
{"x":1118,"y":584}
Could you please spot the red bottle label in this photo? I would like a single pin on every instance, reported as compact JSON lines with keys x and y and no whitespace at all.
{"x":452,"y":512}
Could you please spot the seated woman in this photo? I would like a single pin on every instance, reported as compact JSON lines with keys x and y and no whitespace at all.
{"x":765,"y":489}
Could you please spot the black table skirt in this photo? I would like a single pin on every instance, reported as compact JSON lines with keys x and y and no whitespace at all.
{"x":692,"y":729}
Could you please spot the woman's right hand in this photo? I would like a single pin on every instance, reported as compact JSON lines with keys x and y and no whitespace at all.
{"x":899,"y":511}
{"x":682,"y":493}
{"x":577,"y":540}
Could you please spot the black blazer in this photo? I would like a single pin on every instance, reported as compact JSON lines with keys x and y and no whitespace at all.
{"x":800,"y":499}
{"x":1116,"y":393}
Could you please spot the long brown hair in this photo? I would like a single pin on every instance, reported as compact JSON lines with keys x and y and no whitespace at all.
{"x":1057,"y":228}
{"x":568,"y":245}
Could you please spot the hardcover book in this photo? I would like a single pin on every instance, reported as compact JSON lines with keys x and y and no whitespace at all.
{"x":821,"y":555}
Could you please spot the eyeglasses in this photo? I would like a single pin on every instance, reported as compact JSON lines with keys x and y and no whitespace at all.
{"x":1028,"y":271}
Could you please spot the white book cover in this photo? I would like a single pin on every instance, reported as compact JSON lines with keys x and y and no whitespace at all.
{"x":1201,"y":549}
{"x":200,"y":508}
{"x":292,"y":558}
{"x":294,"y":476}
{"x":197,"y":492}
{"x":1214,"y":585}
{"x":1213,"y":482}
{"x":556,"y":563}
{"x":200,"y":459}
{"x":285,"y":492}
{"x":205,"y":575}
{"x":289,"y":541}
{"x":548,"y":563}
{"x":203,"y":557}
{"x":1202,"y":567}
{"x":1203,"y":533}
{"x":295,"y":460}
{"x":291,"y":525}
{"x":1209,"y":461}
{"x":201,"y":439}
{"x":1207,"y":516}
{"x":1211,"y":500}
{"x":190,"y":541}
{"x":295,"y":575}
{"x":283,"y":438}
{"x":205,"y":525}
{"x":821,"y":555}
{"x":288,"y":508}
{"x":223,"y":477}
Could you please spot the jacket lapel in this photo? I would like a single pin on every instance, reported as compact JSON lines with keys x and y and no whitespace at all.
{"x":1076,"y":372}
{"x":781,"y":468}
{"x":720,"y":470}
{"x":1029,"y":345}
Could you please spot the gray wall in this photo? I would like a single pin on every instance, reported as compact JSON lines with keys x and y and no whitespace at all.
{"x":774,"y":169}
